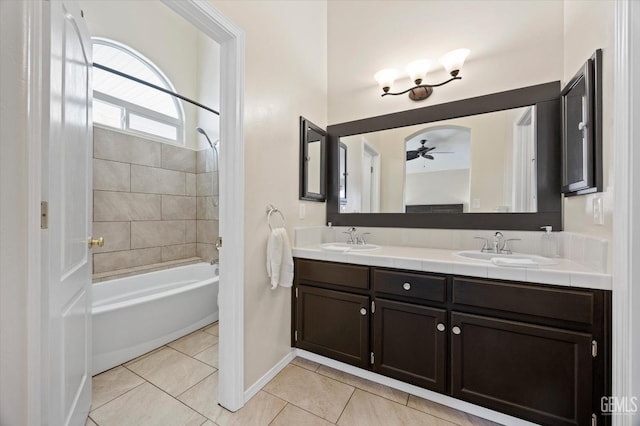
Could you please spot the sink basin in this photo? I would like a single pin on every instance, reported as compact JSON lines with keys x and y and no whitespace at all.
{"x":515,"y":259}
{"x":348,"y":247}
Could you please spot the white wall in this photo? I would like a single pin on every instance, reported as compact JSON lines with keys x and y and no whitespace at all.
{"x":588,"y":26}
{"x":13,"y":211}
{"x":513,"y":44}
{"x":443,"y":187}
{"x":286,"y":76}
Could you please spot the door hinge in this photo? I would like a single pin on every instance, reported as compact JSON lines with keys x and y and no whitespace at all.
{"x":372,"y":358}
{"x":218,"y":243}
{"x":371,"y":169}
{"x":594,"y":348}
{"x":373,"y":306}
{"x":44,"y":215}
{"x":594,"y":420}
{"x":296,"y":292}
{"x":295,"y":335}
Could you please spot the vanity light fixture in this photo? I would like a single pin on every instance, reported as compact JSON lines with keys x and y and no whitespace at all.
{"x":417,"y":70}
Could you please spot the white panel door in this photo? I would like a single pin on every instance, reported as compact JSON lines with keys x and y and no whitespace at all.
{"x":69,"y":154}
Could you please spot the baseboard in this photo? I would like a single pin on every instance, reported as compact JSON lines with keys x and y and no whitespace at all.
{"x":262,"y":381}
{"x":476,"y":410}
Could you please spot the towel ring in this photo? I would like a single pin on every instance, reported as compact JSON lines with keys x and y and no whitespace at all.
{"x":271,"y":209}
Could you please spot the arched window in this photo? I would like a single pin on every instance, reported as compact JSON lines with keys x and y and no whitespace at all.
{"x":130,"y":106}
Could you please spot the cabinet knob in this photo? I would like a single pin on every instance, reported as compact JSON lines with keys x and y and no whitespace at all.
{"x":363,"y":311}
{"x":456,"y":330}
{"x":96,"y":242}
{"x":440,"y":326}
{"x":406,"y":286}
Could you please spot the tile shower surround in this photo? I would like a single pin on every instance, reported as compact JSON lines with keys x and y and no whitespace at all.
{"x":152,"y":202}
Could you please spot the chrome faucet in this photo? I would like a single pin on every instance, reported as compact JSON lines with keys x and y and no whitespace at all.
{"x":497,"y":239}
{"x":353,"y":237}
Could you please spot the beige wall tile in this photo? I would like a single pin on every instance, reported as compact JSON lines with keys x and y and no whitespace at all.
{"x":122,"y":206}
{"x":152,"y":180}
{"x":178,"y":158}
{"x":190,"y":183}
{"x":178,"y":207}
{"x":111,"y":175}
{"x":103,"y":262}
{"x":181,"y":251}
{"x":207,"y":231}
{"x":205,"y":161}
{"x":190,"y":231}
{"x":117,"y":236}
{"x":116,"y":146}
{"x":207,"y":208}
{"x":206,"y":251}
{"x":204,"y":184}
{"x":157,"y":233}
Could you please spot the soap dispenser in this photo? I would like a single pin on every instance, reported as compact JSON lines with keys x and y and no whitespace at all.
{"x":549,"y":244}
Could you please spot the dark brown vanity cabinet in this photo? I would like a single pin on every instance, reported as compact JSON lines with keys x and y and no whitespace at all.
{"x":410,"y":343}
{"x":538,"y":352}
{"x":329,"y":320}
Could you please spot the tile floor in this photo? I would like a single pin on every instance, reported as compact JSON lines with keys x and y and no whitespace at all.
{"x":177,"y":385}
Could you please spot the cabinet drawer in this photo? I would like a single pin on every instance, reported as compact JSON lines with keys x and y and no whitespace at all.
{"x":332,"y":273}
{"x":419,"y":286}
{"x":546,"y":302}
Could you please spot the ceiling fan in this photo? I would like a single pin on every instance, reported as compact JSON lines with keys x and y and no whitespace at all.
{"x":424,"y":152}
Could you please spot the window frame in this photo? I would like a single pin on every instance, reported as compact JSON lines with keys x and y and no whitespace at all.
{"x":128,"y":108}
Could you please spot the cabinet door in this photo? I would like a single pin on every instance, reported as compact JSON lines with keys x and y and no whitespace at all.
{"x":408,"y":345}
{"x":334,"y":324}
{"x":537,"y":373}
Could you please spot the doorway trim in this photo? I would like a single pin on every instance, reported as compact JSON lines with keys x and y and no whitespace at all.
{"x":626,"y":210}
{"x":231,"y":39}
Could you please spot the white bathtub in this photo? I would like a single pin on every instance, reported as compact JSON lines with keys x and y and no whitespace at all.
{"x":134,"y":315}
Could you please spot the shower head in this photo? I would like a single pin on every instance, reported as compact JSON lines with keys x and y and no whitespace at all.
{"x":202,"y":132}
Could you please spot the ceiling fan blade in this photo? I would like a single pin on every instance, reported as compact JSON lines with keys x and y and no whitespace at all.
{"x":443,"y":152}
{"x":412,"y":155}
{"x":429,"y":148}
{"x":428,"y":156}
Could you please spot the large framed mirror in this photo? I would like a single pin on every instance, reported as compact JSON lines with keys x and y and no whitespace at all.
{"x":490,"y":162}
{"x":313,"y":160}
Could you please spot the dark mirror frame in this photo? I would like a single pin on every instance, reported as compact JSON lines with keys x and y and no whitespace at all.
{"x":590,"y":169}
{"x":546,"y":98}
{"x":343,"y":171}
{"x":305,"y":194}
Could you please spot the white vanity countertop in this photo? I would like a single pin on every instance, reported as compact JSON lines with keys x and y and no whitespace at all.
{"x":564,"y":273}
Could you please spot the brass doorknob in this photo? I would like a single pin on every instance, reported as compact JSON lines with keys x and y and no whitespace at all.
{"x":96,"y":243}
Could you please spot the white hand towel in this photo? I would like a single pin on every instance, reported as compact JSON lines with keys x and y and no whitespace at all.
{"x":279,"y":259}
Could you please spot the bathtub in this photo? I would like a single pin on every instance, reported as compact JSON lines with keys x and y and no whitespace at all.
{"x":134,"y":315}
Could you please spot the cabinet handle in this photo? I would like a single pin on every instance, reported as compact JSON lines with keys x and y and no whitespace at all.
{"x":406,"y":286}
{"x":456,"y":330}
{"x":363,"y":311}
{"x":440,"y":326}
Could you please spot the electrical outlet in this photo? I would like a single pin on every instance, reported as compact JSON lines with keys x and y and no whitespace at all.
{"x":302,"y":211}
{"x":598,"y":211}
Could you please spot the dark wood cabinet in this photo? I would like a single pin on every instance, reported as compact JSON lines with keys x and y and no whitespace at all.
{"x":410,"y":343}
{"x":538,"y":373}
{"x":538,"y":352}
{"x":334,"y":324}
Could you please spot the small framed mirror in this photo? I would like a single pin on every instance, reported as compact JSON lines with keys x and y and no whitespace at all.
{"x":313,"y":157}
{"x":582,"y":130}
{"x":343,"y":173}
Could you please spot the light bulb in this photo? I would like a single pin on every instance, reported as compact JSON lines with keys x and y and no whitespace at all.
{"x":453,"y":61}
{"x":385,"y":78}
{"x":417,"y":70}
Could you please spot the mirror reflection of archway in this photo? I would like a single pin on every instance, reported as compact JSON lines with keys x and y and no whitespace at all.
{"x":437,"y":169}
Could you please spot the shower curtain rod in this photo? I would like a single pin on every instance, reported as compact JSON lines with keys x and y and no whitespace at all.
{"x":153,"y":86}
